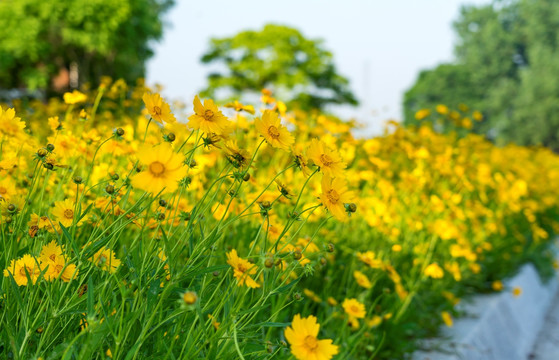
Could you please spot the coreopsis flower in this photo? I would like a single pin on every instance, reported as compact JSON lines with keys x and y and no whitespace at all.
{"x":434,"y":271}
{"x":163,"y":169}
{"x":422,"y":114}
{"x":7,"y":189}
{"x":334,"y":195}
{"x":242,"y":269}
{"x":10,"y":124}
{"x":354,"y":308}
{"x":239,"y":158}
{"x":329,"y":161}
{"x":447,"y":318}
{"x":50,"y":252}
{"x":64,"y":212}
{"x":208,"y":118}
{"x":478,"y":116}
{"x":158,"y":108}
{"x":74,"y":97}
{"x":301,"y":160}
{"x":106,"y":260}
{"x":54,"y":123}
{"x":517,"y":291}
{"x":275,"y":134}
{"x":302,"y":336}
{"x":362,"y":279}
{"x":53,"y":259}
{"x":240,"y":107}
{"x":23,"y":267}
{"x":497,"y":285}
{"x":190,"y":297}
{"x":442,"y":109}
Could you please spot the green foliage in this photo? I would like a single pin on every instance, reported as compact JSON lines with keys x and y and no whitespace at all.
{"x":504,"y":58}
{"x":102,"y":37}
{"x":299,"y":70}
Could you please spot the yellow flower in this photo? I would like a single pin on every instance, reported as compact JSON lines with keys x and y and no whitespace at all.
{"x":517,"y":291}
{"x":370,"y":259}
{"x":273,"y":131}
{"x":164,"y":169}
{"x":442,"y":109}
{"x":52,"y":256}
{"x":447,"y":318}
{"x":238,"y":157}
{"x":362,"y":279}
{"x":334,"y":195}
{"x":106,"y":260}
{"x":242,"y":269}
{"x":301,"y":160}
{"x":21,"y":268}
{"x":422,"y":114}
{"x":434,"y":271}
{"x":74,"y":97}
{"x":478,"y":116}
{"x":329,"y":161}
{"x":374,"y":321}
{"x":54,"y":123}
{"x":190,"y":297}
{"x":208,"y":118}
{"x":50,"y":253}
{"x":240,"y":107}
{"x":10,"y":124}
{"x":64,"y":212}
{"x":497,"y":285}
{"x":302,"y":336}
{"x":7,"y":189}
{"x":215,"y":323}
{"x":354,"y":308}
{"x":158,"y":108}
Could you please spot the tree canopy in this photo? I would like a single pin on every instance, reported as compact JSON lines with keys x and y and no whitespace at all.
{"x":506,"y":56}
{"x":40,"y":39}
{"x":299,"y":70}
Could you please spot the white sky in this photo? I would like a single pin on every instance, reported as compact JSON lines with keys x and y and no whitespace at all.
{"x":379,"y":45}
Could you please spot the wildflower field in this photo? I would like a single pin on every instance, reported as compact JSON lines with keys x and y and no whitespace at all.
{"x":131,"y":230}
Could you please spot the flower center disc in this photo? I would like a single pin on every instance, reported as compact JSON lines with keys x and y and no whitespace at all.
{"x":52,"y":257}
{"x":208,"y":114}
{"x":156,"y":168}
{"x":3,"y":190}
{"x":326,"y":160}
{"x":157,"y":110}
{"x":311,"y":342}
{"x":69,"y":214}
{"x":333,"y":196}
{"x":273,"y":132}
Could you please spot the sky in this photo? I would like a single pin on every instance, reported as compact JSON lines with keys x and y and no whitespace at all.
{"x":379,"y":45}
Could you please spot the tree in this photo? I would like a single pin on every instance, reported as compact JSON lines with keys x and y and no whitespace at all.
{"x":506,"y":52}
{"x":300,"y":71}
{"x":40,"y":40}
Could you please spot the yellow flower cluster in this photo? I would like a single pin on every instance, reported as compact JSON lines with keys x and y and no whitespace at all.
{"x":270,"y":219}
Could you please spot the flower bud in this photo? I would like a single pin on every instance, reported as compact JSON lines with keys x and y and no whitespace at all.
{"x":119,"y":131}
{"x":50,"y":147}
{"x":190,"y":297}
